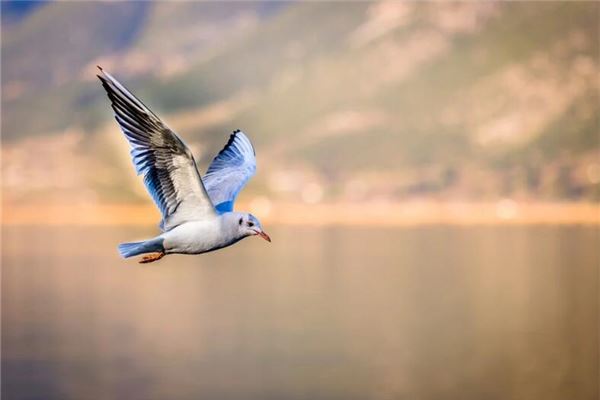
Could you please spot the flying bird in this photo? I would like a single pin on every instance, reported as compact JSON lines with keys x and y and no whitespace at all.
{"x":197,"y":212}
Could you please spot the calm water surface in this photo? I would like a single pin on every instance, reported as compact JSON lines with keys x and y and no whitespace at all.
{"x":331,"y":313}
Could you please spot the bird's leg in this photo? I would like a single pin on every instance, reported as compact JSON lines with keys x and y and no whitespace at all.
{"x":151,"y":258}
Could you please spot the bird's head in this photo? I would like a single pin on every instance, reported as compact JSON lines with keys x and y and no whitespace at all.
{"x":248,"y":225}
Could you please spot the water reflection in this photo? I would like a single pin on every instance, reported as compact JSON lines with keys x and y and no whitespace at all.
{"x":332,"y":313}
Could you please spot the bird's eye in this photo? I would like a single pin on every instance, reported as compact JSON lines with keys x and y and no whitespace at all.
{"x":240,"y":222}
{"x":250,"y":224}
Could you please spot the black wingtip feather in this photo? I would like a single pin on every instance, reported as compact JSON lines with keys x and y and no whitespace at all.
{"x":230,"y":143}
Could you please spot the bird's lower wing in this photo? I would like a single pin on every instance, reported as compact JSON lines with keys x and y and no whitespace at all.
{"x":230,"y":171}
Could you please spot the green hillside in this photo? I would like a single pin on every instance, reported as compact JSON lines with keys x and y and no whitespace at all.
{"x":458,"y":99}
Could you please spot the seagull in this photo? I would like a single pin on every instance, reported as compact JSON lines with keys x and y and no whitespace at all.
{"x":197,"y":212}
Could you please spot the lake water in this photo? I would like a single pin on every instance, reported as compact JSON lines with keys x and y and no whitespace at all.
{"x":320,"y":313}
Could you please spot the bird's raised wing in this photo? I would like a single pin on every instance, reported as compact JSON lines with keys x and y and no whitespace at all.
{"x":168,"y":166}
{"x":229,"y":171}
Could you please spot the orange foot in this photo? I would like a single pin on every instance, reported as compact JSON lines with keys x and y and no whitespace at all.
{"x":151,"y":258}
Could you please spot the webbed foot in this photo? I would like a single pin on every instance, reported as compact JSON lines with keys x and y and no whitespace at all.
{"x":151,"y":258}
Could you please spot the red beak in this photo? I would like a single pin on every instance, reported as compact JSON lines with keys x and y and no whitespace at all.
{"x":264,"y":236}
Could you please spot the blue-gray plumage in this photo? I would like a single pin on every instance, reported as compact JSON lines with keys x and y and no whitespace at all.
{"x":197,"y":213}
{"x":229,"y":171}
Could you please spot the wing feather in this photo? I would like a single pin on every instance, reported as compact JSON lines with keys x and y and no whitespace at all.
{"x":168,"y":166}
{"x":230,"y":171}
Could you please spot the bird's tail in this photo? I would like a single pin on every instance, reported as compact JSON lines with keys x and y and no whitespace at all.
{"x":135,"y":248}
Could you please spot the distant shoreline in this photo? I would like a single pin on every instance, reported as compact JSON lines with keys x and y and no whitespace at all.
{"x":414,"y":213}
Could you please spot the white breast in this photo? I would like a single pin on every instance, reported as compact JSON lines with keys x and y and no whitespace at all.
{"x":195,"y":237}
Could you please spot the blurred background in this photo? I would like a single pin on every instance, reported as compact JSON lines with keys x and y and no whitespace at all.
{"x":346,"y":102}
{"x":429,"y":172}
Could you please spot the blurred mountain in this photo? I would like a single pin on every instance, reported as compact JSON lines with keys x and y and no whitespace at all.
{"x":381,"y":100}
{"x":15,"y":11}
